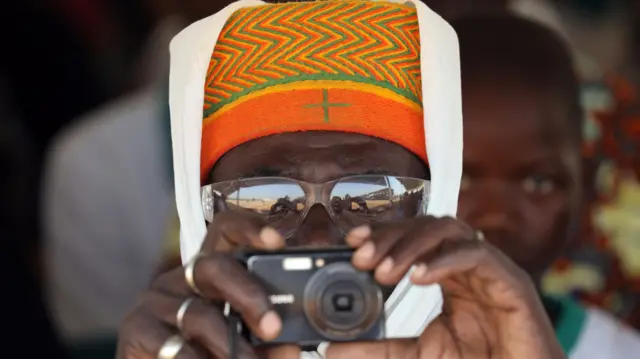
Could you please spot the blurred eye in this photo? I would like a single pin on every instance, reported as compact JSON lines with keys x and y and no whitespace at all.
{"x":538,"y":184}
{"x":465,"y":182}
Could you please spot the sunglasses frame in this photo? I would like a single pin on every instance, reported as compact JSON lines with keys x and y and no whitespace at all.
{"x":315,"y":193}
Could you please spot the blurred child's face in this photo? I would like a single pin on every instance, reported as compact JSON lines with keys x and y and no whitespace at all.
{"x":521,"y":182}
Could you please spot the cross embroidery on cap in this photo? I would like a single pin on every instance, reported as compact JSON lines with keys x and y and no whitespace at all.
{"x":326,"y":105}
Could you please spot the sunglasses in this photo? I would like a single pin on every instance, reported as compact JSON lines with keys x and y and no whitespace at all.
{"x":350,"y":201}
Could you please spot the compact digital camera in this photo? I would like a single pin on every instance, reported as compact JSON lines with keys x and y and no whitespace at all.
{"x":319,"y":296}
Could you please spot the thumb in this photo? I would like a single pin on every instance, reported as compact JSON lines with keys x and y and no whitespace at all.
{"x":436,"y":340}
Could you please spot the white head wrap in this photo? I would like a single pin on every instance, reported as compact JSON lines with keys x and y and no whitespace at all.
{"x":410,"y":308}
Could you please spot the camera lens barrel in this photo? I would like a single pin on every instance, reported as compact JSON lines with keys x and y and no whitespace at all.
{"x":342,"y":303}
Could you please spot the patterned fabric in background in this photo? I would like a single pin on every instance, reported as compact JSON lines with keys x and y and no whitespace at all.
{"x":605,"y":272}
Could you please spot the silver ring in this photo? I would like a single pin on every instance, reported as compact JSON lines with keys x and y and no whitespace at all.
{"x":182,"y":311}
{"x":171,"y":347}
{"x":189,"y":275}
{"x":480,"y":236}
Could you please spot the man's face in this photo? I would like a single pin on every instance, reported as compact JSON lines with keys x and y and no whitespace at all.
{"x":317,"y":157}
{"x":521,"y":182}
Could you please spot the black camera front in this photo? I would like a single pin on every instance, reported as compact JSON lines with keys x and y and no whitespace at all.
{"x":320,"y":296}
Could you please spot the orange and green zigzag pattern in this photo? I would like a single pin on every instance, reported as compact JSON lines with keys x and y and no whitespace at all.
{"x":372,"y":43}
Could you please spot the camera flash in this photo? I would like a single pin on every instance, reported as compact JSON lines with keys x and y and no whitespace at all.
{"x":297,"y":264}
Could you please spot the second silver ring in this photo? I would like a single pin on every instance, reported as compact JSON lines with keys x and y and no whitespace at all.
{"x":182,"y":311}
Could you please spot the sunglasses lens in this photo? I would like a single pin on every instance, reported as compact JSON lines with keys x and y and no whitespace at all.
{"x":360,"y":200}
{"x":353,"y":201}
{"x":280,"y":202}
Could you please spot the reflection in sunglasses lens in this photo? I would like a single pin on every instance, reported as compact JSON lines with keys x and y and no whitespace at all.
{"x":279,"y":201}
{"x":352,"y":201}
{"x":364,"y":199}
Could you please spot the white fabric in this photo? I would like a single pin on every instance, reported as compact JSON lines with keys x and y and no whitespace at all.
{"x":410,"y":308}
{"x":603,"y":337}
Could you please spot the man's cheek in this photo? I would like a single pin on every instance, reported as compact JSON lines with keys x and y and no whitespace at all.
{"x":556,"y":222}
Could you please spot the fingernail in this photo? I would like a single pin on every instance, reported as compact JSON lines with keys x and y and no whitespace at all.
{"x":270,"y":325}
{"x":270,"y":237}
{"x":359,"y":233}
{"x":419,"y":271}
{"x":386,"y":266}
{"x":365,"y":252}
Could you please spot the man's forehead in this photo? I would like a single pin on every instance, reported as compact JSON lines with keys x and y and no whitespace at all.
{"x":292,"y":155}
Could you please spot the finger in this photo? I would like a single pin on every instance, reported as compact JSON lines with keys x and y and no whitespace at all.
{"x":279,"y":352}
{"x":223,"y":275}
{"x":222,"y":278}
{"x":457,"y":257}
{"x":357,"y":236}
{"x":386,"y":349}
{"x":143,"y":337}
{"x":231,"y":230}
{"x":422,"y":240}
{"x":174,"y":283}
{"x":202,"y":323}
{"x":373,"y":250}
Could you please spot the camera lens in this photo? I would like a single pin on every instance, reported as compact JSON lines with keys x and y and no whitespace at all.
{"x":342,"y":303}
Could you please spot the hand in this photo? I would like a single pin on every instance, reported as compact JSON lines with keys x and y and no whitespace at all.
{"x":491,"y":308}
{"x":219,"y":279}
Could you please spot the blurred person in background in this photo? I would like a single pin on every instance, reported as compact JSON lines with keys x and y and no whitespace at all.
{"x":603,"y":36}
{"x":107,"y":195}
{"x":522,"y":183}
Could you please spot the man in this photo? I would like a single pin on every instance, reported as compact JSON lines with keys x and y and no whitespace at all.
{"x":602,"y":39}
{"x":522,"y":182}
{"x":310,"y":98}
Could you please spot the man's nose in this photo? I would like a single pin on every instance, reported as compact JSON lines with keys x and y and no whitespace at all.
{"x":317,"y":229}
